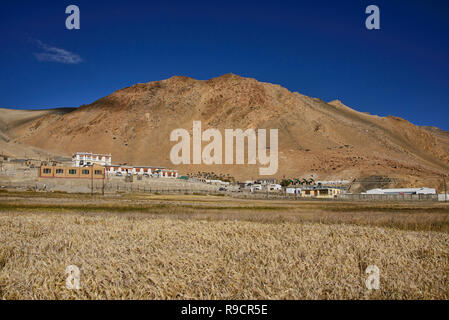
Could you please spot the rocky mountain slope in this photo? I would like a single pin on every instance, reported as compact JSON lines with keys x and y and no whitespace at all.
{"x":328,"y":140}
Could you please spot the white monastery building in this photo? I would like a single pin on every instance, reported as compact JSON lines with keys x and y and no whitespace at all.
{"x":142,"y":170}
{"x":82,"y":159}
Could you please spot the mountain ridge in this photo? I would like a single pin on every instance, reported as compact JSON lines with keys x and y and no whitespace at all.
{"x":328,"y":140}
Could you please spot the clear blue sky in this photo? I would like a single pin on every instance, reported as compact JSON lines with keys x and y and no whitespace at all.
{"x":318,"y":48}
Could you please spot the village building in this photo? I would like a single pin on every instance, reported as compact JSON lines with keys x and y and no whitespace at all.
{"x":81,"y":159}
{"x":59,"y":171}
{"x":274,"y":187}
{"x":88,"y":165}
{"x":291,"y":190}
{"x":402,"y":191}
{"x":319,"y":192}
{"x":142,"y":170}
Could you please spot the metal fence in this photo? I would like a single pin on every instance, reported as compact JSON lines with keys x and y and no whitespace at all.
{"x":390,"y":197}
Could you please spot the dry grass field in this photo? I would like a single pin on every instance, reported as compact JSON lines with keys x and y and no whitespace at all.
{"x":199,"y":247}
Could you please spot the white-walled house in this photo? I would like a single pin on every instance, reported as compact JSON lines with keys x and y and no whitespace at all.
{"x":403,"y":191}
{"x":140,"y":170}
{"x":275,"y":187}
{"x":81,"y":159}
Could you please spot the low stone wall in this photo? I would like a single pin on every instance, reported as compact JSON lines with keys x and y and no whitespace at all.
{"x":109,"y":185}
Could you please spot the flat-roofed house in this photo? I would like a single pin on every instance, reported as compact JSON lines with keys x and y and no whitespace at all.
{"x":140,"y":170}
{"x":402,"y":191}
{"x":91,"y":172}
{"x":320,"y":192}
{"x":81,"y":159}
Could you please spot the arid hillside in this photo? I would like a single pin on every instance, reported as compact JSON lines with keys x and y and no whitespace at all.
{"x":10,"y":119}
{"x":329,"y":140}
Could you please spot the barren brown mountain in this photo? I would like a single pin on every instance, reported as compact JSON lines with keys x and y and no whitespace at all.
{"x":10,"y":119}
{"x":329,"y":140}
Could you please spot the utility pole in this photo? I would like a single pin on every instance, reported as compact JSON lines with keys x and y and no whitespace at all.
{"x":92,"y":181}
{"x":445,"y":190}
{"x":104,"y":177}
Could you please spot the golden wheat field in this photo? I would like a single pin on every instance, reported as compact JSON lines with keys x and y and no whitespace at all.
{"x":188,"y":247}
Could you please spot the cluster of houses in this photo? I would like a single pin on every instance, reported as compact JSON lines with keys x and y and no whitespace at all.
{"x":90,"y":165}
{"x":307,"y":191}
{"x":331,"y":191}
